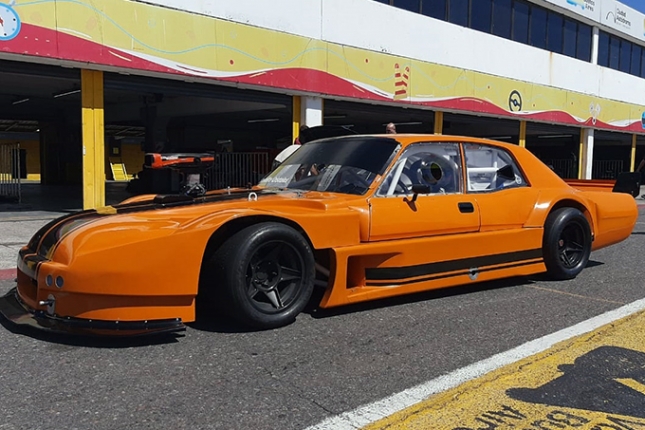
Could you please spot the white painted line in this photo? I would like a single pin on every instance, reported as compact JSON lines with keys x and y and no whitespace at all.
{"x":380,"y":409}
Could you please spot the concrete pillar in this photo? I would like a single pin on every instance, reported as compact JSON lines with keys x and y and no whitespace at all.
{"x":296,"y":116}
{"x":595,"y":41}
{"x":438,"y":122}
{"x":632,"y":157}
{"x":522,"y":141}
{"x":93,"y":139}
{"x":586,"y":153}
{"x":311,"y":111}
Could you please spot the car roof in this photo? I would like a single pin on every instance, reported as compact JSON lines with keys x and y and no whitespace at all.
{"x":408,"y":139}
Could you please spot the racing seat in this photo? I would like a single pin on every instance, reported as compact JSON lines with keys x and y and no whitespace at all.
{"x":447,"y":171}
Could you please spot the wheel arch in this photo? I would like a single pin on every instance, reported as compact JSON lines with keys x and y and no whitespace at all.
{"x":570,"y":203}
{"x":230,"y":227}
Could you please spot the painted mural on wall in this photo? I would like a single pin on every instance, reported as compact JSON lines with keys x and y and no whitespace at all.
{"x":135,"y":35}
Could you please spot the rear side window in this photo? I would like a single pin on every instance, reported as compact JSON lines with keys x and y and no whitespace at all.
{"x":491,"y":169}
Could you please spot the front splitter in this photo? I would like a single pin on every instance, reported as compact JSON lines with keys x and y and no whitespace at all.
{"x":19,"y":313}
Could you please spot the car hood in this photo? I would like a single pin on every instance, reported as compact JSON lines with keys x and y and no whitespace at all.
{"x":164,"y":214}
{"x":241,"y":198}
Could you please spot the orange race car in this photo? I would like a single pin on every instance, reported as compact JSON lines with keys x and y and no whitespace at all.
{"x":365,"y":217}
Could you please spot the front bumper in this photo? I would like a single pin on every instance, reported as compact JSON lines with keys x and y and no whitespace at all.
{"x":19,"y":313}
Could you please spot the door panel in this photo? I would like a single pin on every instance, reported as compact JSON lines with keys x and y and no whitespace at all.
{"x":398,"y":217}
{"x":498,"y":186}
{"x":506,"y":209}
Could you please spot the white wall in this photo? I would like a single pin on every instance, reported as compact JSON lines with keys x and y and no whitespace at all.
{"x":374,"y":26}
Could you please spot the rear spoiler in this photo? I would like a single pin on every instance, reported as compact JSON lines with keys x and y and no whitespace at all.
{"x":628,"y":182}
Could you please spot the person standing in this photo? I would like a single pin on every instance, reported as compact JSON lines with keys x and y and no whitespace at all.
{"x":390,"y":128}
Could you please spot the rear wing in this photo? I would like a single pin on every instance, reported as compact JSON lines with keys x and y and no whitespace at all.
{"x":626,"y":182}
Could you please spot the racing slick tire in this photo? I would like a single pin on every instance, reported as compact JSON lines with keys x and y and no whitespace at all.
{"x":566,"y":244}
{"x":264,"y":275}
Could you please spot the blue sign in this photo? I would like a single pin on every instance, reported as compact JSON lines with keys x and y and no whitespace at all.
{"x":638,"y":5}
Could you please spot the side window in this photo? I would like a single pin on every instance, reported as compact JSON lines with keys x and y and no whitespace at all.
{"x":437,"y":165}
{"x":489,"y":169}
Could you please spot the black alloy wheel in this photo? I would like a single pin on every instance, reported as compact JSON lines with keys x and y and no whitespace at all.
{"x":566,"y":244}
{"x":571,"y":246}
{"x":262,"y":276}
{"x":275,"y":275}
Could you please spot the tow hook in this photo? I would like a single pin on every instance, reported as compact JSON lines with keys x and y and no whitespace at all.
{"x":50,"y":303}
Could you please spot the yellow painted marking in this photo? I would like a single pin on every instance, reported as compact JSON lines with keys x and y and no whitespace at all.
{"x":438,"y":122}
{"x":633,"y":384}
{"x":541,"y":391}
{"x":632,"y":156}
{"x":576,"y":295}
{"x":106,"y":210}
{"x":296,"y":117}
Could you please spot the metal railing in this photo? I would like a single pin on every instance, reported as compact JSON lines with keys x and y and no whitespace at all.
{"x":10,"y":172}
{"x":606,"y":169}
{"x":566,"y":168}
{"x":601,"y":169}
{"x":237,"y":169}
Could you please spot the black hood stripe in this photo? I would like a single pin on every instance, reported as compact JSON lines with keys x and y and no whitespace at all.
{"x":48,"y":232}
{"x":179,"y":200}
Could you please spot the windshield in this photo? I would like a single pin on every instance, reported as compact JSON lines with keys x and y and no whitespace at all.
{"x":341,"y":165}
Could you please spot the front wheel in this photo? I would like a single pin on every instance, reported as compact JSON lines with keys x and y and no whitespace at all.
{"x":264,"y":275}
{"x":567,"y":243}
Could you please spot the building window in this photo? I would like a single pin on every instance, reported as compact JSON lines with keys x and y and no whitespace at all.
{"x":521,"y":22}
{"x":625,"y":61}
{"x":411,"y":5}
{"x":614,"y":52}
{"x":502,"y":18}
{"x":569,"y":36}
{"x":458,"y":12}
{"x":603,"y":49}
{"x":555,"y":29}
{"x":537,"y":27}
{"x":480,"y":15}
{"x":434,"y":8}
{"x":583,"y":52}
{"x":531,"y":24}
{"x":637,"y":54}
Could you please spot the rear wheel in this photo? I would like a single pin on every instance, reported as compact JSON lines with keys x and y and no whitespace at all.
{"x":263,"y":276}
{"x":567,"y":243}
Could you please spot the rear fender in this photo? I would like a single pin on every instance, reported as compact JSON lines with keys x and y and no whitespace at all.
{"x":548,"y":203}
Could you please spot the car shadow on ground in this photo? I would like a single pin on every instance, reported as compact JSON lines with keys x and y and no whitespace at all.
{"x":208,"y":321}
{"x":88,"y":341}
{"x":407,"y":299}
{"x":211,"y":322}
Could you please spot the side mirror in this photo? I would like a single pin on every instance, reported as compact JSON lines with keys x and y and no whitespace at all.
{"x":419,"y":189}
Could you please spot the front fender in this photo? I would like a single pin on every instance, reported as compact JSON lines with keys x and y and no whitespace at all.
{"x":329,"y":229}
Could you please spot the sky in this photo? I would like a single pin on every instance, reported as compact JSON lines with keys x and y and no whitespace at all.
{"x":639,"y":5}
